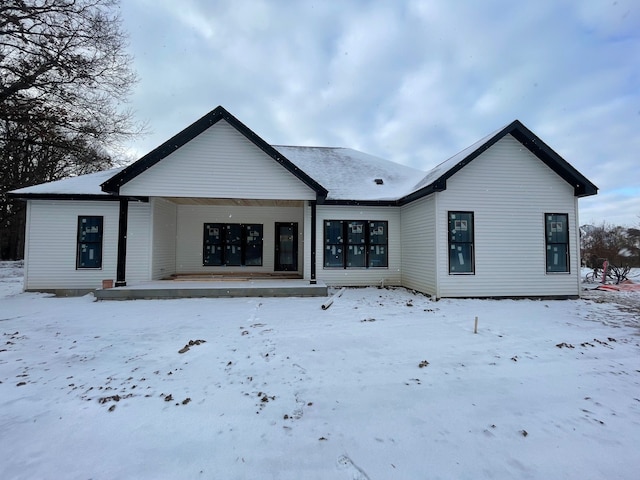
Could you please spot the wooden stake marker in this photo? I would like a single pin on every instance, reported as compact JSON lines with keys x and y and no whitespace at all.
{"x":475,"y":327}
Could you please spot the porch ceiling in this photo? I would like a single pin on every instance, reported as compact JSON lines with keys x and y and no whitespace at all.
{"x":242,"y":202}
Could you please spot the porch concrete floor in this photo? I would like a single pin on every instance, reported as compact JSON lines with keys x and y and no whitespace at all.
{"x":169,"y":289}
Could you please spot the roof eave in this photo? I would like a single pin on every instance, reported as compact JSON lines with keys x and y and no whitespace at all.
{"x":275,"y":154}
{"x":363,"y":203}
{"x":437,"y":186}
{"x":75,"y":196}
{"x":585,"y":190}
{"x":582,"y":186}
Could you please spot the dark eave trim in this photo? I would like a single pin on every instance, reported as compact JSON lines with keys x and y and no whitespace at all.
{"x":436,"y":186}
{"x":174,"y":143}
{"x":581,"y":185}
{"x":364,"y":203}
{"x":75,"y":196}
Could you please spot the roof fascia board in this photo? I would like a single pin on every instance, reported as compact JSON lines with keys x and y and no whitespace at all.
{"x":174,"y":143}
{"x":581,"y":185}
{"x":75,"y":196}
{"x":273,"y":153}
{"x":436,"y":186}
{"x":440,"y":183}
{"x":363,"y":203}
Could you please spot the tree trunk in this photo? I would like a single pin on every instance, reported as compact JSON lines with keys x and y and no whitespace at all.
{"x":12,"y":233}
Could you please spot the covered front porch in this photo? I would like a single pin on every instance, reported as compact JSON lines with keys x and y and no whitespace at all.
{"x":210,"y":247}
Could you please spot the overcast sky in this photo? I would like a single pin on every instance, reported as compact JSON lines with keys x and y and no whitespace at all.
{"x":410,"y":81}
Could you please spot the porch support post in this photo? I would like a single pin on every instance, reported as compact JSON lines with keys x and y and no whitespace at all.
{"x":122,"y":243}
{"x":313,"y":242}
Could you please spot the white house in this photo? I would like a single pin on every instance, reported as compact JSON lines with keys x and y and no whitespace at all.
{"x":499,"y":219}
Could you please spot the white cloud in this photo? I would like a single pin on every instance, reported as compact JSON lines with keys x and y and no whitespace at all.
{"x":411,"y":81}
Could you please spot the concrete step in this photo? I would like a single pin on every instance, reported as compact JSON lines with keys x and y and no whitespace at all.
{"x":221,"y":289}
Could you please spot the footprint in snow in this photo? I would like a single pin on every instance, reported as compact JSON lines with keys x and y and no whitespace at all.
{"x":345,"y":463}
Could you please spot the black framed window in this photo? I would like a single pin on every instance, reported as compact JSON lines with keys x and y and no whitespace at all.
{"x":333,"y":243}
{"x":232,"y":244}
{"x":378,"y":244}
{"x":89,"y":244}
{"x":253,"y":245}
{"x":557,"y":242}
{"x":461,"y":234}
{"x":356,"y":248}
{"x":356,"y":244}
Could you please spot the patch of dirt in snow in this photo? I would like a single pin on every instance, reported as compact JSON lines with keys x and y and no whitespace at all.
{"x":622,"y":304}
{"x":190,"y":344}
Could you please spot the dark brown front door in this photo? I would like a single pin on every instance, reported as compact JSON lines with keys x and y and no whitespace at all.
{"x":286,"y":258}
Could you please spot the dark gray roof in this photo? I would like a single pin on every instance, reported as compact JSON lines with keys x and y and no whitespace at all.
{"x":351,"y":175}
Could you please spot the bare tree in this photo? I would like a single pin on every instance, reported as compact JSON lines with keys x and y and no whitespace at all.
{"x":619,"y":245}
{"x":65,"y":77}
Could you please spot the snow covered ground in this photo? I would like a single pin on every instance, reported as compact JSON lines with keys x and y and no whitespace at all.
{"x":385,"y":384}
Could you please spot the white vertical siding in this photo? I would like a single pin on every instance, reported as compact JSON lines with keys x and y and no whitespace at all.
{"x":138,"y":252}
{"x":509,"y":190}
{"x":52,"y":245}
{"x":190,"y":224}
{"x":219,"y":163}
{"x":361,"y":276}
{"x":163,"y":249}
{"x":419,"y":245}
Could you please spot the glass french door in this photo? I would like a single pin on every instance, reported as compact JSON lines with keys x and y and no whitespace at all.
{"x":286,"y":253}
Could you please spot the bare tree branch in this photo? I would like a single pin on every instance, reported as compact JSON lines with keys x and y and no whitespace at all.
{"x":65,"y":77}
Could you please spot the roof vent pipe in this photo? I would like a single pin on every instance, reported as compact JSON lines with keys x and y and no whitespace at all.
{"x":379,"y":181}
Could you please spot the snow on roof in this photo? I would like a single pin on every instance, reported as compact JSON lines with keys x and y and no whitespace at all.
{"x":88,"y":184}
{"x":345,"y":173}
{"x":352,"y":175}
{"x":439,"y":170}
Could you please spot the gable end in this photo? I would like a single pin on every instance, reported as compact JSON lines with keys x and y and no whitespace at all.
{"x":581,"y":185}
{"x":149,"y":160}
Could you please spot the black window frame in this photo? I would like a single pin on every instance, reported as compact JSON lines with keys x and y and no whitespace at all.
{"x":87,"y":242}
{"x":462,"y":243}
{"x":237,"y":244}
{"x":356,"y":244}
{"x":554,"y":239}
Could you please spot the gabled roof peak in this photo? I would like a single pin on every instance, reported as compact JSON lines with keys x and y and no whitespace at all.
{"x":336,"y":174}
{"x":180,"y":139}
{"x":436,"y":178}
